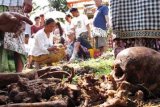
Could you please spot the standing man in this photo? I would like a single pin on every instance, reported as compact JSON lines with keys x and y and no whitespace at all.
{"x":100,"y":22}
{"x":80,"y":24}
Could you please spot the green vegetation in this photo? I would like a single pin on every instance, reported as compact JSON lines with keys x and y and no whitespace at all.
{"x":99,"y":66}
{"x":59,"y":5}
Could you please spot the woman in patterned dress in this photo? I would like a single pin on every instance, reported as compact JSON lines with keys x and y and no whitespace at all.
{"x":12,"y":56}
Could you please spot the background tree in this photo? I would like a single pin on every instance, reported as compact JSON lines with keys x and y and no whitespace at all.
{"x":35,"y":7}
{"x":59,"y":5}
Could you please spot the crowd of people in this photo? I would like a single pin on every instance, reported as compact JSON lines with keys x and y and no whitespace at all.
{"x":46,"y":41}
{"x":51,"y":42}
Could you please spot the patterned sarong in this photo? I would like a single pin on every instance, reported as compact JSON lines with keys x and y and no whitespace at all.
{"x":136,"y":18}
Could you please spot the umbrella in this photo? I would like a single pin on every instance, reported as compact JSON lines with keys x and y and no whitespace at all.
{"x":55,"y":14}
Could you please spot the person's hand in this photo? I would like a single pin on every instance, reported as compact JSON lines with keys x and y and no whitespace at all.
{"x":53,"y":49}
{"x":12,"y":21}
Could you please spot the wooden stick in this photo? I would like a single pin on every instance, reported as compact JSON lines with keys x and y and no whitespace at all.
{"x":58,"y":103}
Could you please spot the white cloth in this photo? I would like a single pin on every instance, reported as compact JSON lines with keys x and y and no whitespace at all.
{"x":27,"y":48}
{"x":30,"y":43}
{"x":67,"y":27}
{"x":28,"y":29}
{"x":80,"y":23}
{"x":41,"y":44}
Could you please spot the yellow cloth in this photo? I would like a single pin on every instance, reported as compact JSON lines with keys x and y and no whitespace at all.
{"x":91,"y":51}
{"x":50,"y":58}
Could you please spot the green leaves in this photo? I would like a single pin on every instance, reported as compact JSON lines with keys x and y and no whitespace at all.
{"x":59,"y":5}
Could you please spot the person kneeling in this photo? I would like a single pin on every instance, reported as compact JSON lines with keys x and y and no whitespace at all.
{"x":43,"y":51}
{"x":75,"y":49}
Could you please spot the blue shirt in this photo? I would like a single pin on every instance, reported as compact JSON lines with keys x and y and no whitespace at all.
{"x":99,"y":17}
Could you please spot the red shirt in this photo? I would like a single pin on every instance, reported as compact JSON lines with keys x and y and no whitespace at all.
{"x":35,"y":29}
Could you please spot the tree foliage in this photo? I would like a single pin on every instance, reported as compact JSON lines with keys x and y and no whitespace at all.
{"x":35,"y":8}
{"x":59,"y":5}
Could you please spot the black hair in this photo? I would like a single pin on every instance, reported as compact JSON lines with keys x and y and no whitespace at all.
{"x":37,"y":17}
{"x":68,"y":15}
{"x":41,"y":15}
{"x":73,"y":9}
{"x":48,"y":21}
{"x":60,"y":28}
{"x":26,"y":35}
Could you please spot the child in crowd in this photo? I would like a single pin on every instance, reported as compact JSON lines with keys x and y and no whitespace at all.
{"x":74,"y":48}
{"x":59,"y":32}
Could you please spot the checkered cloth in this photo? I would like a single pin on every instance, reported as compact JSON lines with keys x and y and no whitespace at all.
{"x":11,"y":5}
{"x":109,"y":42}
{"x":136,"y":18}
{"x":11,"y":2}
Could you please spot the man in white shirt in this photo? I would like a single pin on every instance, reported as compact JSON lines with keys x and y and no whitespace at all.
{"x":80,"y":24}
{"x":43,"y":50}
